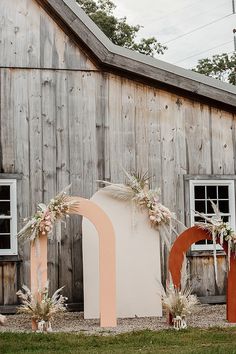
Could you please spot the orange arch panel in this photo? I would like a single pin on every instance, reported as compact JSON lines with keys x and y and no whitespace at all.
{"x":107,"y":260}
{"x":176,"y":256}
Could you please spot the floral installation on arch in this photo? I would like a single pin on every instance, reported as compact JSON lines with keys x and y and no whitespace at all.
{"x":43,"y":220}
{"x":137,"y":190}
{"x":41,"y":307}
{"x":218,"y":229}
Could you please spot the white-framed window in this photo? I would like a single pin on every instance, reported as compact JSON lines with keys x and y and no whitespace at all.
{"x":222,"y":193}
{"x":8,"y":217}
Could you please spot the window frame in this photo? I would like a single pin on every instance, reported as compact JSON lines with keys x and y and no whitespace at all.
{"x":13,"y":218}
{"x":205,"y":182}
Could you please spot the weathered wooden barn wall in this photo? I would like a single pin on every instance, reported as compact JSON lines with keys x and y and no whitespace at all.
{"x":63,"y":120}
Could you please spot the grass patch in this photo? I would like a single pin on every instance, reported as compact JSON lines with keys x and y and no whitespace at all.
{"x":197,"y":341}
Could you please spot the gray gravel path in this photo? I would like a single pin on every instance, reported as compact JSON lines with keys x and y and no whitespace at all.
{"x":204,"y":316}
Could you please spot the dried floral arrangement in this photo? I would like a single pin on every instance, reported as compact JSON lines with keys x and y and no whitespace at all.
{"x":137,"y":189}
{"x":41,"y":307}
{"x":179,"y":303}
{"x":219,"y":230}
{"x":46,"y":216}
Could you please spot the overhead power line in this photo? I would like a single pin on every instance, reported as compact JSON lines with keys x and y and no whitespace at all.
{"x":198,"y":28}
{"x":181,"y":9}
{"x":205,"y":51}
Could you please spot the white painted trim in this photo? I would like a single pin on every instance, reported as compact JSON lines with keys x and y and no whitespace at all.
{"x":207,"y":182}
{"x":13,"y":204}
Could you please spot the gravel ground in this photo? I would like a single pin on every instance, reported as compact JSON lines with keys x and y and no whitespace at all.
{"x":204,"y":316}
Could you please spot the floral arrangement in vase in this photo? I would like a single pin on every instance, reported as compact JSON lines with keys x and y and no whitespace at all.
{"x":137,"y":189}
{"x":41,"y":307}
{"x":218,"y":229}
{"x":179,"y":303}
{"x":43,"y":220}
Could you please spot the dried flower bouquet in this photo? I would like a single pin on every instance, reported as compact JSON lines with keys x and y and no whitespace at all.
{"x":43,"y":220}
{"x":40,"y":306}
{"x":136,"y":189}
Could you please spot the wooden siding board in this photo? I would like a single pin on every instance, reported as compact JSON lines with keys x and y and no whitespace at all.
{"x":153,"y":120}
{"x":30,"y":38}
{"x":203,"y":277}
{"x":9,"y":283}
{"x":141,"y":128}
{"x":128,"y":125}
{"x":49,"y":104}
{"x":115,"y":130}
{"x":75,"y":104}
{"x":63,"y":232}
{"x":222,"y":142}
{"x":7,"y":123}
{"x":19,"y":101}
{"x":198,"y":138}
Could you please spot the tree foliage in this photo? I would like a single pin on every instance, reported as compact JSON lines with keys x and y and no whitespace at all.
{"x":220,"y":66}
{"x":117,"y":29}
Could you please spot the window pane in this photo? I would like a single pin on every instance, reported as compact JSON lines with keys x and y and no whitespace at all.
{"x":199,"y":192}
{"x":4,"y":226}
{"x":211,"y":192}
{"x":202,"y":242}
{"x":198,"y":219}
{"x":5,"y":208}
{"x":200,"y":206}
{"x":225,"y":218}
{"x":210,"y":210}
{"x":223,"y":192}
{"x":224,"y":206}
{"x":4,"y":192}
{"x":5,"y":241}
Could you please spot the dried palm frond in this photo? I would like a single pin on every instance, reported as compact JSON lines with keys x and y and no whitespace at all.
{"x":119,"y":191}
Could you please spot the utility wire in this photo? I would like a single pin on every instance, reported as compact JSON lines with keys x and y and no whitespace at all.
{"x":185,"y":7}
{"x":198,"y":28}
{"x":205,"y":51}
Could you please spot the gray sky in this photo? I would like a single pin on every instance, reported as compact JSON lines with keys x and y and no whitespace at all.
{"x":169,"y":19}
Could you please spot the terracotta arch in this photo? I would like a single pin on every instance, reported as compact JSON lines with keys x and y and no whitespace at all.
{"x":107,"y":260}
{"x":176,"y":256}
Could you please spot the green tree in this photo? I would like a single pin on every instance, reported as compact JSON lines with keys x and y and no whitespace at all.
{"x":220,"y":66}
{"x":117,"y":29}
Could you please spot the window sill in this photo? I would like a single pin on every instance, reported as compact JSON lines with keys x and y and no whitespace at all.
{"x":9,"y":259}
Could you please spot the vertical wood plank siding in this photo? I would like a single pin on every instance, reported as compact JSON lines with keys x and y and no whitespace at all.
{"x":63,"y":121}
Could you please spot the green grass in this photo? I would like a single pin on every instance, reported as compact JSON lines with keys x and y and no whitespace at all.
{"x":212,"y":341}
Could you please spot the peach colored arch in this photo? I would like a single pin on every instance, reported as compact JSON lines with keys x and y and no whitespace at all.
{"x":176,"y":256}
{"x":107,"y":260}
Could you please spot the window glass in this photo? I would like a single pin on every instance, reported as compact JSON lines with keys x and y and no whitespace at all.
{"x":5,"y":208}
{"x":5,"y":241}
{"x":4,"y":192}
{"x":4,"y":226}
{"x":221,"y":193}
{"x":8,"y":217}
